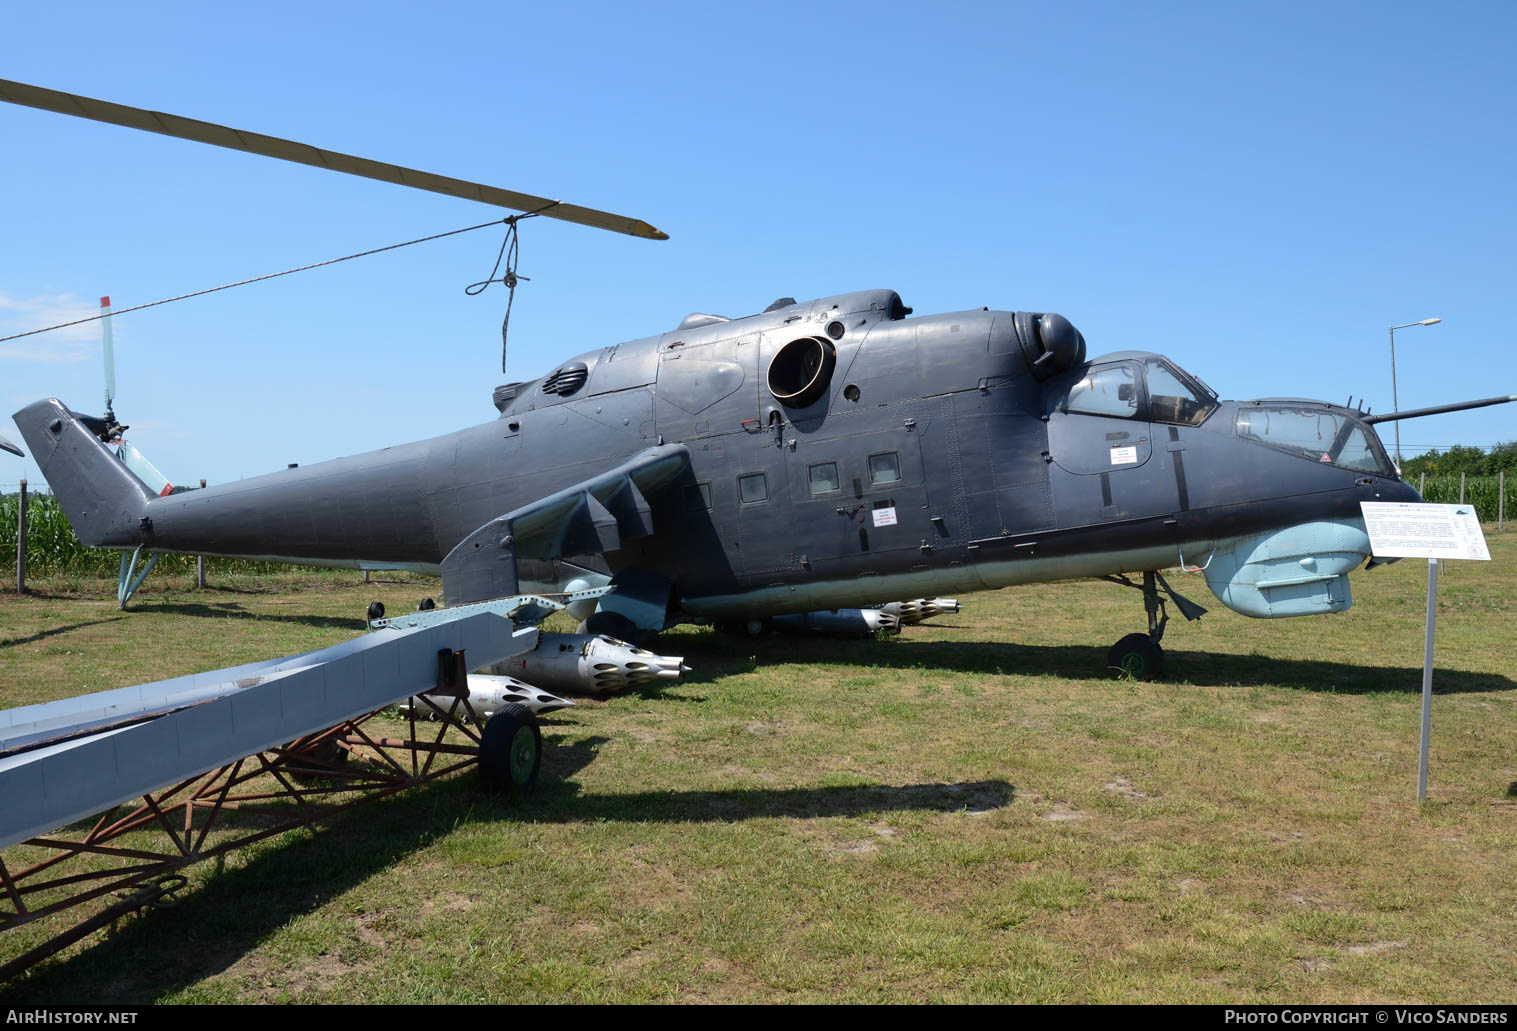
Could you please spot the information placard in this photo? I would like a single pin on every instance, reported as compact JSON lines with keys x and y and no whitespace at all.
{"x":1405,"y":530}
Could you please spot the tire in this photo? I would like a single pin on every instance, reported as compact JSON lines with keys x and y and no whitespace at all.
{"x":1137,"y":656}
{"x":511,"y":750}
{"x":329,"y":752}
{"x":612,"y":624}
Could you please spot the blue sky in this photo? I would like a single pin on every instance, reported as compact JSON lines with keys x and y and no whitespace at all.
{"x":1258,"y":191}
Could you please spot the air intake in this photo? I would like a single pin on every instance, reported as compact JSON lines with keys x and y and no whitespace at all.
{"x":504,"y":395}
{"x":566,"y":379}
{"x":1049,"y":342}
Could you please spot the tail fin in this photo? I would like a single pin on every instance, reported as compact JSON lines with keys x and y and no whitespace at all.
{"x":103,"y":500}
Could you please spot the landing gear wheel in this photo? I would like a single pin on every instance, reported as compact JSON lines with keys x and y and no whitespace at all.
{"x":612,"y":624}
{"x":746,"y":628}
{"x":1137,"y":656}
{"x":325,"y":756}
{"x":511,"y":749}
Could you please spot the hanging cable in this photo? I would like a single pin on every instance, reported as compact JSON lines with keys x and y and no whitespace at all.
{"x":511,"y":221}
{"x":510,"y":250}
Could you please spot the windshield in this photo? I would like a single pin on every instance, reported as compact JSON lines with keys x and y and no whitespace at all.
{"x":1314,"y":433}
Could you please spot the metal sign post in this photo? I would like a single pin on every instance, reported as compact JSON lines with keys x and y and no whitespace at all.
{"x":1433,"y":532}
{"x":1427,"y":678}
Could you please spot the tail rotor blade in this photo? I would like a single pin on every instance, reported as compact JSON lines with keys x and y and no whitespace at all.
{"x":143,"y":469}
{"x":107,"y":346}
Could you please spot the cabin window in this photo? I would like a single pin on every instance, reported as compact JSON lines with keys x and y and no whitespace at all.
{"x":1112,"y":392}
{"x":885,"y":468}
{"x":823,"y":478}
{"x":1170,"y":399}
{"x":752,"y":488}
{"x":698,"y":495}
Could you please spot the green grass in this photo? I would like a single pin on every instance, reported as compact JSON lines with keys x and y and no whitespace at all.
{"x":970,"y":812}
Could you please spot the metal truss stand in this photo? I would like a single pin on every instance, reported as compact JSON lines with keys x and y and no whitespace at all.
{"x":134,"y":854}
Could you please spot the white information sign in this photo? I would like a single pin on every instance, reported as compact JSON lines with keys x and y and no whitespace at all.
{"x":1124,"y":456}
{"x":1405,"y":530}
{"x":884,"y":516}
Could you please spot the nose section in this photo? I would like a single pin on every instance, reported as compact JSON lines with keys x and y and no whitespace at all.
{"x":1399,"y":490}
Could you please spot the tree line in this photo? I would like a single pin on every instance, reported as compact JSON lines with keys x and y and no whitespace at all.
{"x":1472,"y":461}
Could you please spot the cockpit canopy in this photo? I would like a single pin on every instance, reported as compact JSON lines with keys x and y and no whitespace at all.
{"x":1314,"y":432}
{"x":1147,"y":387}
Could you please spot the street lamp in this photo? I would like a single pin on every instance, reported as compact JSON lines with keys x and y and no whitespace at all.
{"x":1394,"y":405}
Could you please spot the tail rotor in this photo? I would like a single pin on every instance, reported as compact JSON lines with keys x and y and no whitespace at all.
{"x":112,"y":432}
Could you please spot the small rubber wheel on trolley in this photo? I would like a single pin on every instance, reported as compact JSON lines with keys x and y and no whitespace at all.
{"x":511,"y":750}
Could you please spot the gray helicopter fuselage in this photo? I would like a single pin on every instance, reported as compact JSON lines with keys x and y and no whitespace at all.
{"x":939,"y":456}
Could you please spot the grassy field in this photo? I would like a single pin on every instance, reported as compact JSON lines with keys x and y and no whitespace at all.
{"x":971,"y":812}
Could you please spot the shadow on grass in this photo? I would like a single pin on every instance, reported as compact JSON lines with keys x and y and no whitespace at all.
{"x":234,"y":610}
{"x":43,"y":635}
{"x":716,"y":655}
{"x":567,"y":805}
{"x":217,"y":923}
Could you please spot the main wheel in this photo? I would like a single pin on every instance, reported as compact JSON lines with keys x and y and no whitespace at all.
{"x":1137,"y":656}
{"x":746,"y":628}
{"x":612,"y":624}
{"x":510,"y":751}
{"x":326,"y":755}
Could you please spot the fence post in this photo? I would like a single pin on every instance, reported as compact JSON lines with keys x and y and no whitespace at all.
{"x":21,"y":543}
{"x":1461,"y":488}
{"x":365,"y":576}
{"x":1422,"y":484}
{"x":1500,"y":499}
{"x":200,"y":559}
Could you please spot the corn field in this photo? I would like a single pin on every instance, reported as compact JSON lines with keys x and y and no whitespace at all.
{"x":52,"y":548}
{"x":1480,"y":491}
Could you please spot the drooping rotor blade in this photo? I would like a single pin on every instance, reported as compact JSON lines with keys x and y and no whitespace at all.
{"x":305,"y":154}
{"x":1417,"y":413}
{"x":6,"y":445}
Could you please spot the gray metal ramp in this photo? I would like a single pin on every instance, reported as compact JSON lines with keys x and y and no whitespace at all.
{"x":217,"y":718}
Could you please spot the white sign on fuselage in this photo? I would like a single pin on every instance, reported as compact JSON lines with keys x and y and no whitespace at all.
{"x":1405,"y":530}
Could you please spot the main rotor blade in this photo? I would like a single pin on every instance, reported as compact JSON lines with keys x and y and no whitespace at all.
{"x":305,"y":154}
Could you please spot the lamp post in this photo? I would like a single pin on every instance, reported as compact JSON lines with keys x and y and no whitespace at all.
{"x":1394,"y":405}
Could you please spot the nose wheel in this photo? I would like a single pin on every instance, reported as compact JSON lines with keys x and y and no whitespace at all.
{"x":1139,"y":656}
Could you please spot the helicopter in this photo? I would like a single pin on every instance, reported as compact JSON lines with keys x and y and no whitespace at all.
{"x":816,"y":456}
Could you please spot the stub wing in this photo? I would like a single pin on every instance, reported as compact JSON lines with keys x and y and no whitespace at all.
{"x":594,"y":516}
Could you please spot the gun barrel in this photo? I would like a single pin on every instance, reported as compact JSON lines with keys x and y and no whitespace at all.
{"x":1440,"y":409}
